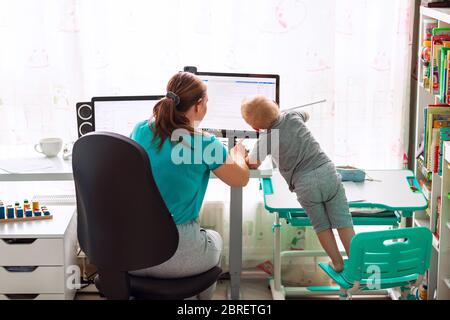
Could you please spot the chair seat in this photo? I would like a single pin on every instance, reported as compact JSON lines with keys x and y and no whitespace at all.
{"x":339,"y":278}
{"x":172,"y":289}
{"x":169,"y":289}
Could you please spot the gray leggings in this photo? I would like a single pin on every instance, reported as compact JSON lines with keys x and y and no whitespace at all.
{"x":198,"y":251}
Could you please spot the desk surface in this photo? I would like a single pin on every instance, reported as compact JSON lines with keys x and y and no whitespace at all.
{"x":390,"y":191}
{"x":35,"y":167}
{"x":25,"y":164}
{"x":53,"y":228}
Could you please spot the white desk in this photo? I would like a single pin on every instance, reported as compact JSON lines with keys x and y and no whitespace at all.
{"x":46,"y":249}
{"x":56,"y":169}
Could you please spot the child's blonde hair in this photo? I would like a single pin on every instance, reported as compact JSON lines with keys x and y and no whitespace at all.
{"x":259,"y":112}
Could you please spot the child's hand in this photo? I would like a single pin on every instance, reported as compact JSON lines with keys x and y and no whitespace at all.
{"x":239,"y":150}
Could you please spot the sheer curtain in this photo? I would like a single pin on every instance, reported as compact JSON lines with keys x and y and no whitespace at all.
{"x":353,"y":53}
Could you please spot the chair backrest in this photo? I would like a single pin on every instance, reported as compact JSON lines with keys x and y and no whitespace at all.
{"x":123,"y":222}
{"x":395,"y":261}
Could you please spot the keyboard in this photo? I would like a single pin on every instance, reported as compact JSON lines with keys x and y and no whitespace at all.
{"x":56,"y":199}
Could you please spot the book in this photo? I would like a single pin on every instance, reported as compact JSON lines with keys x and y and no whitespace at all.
{"x":433,"y":112}
{"x":437,"y":43}
{"x":444,"y":136}
{"x":425,"y":136}
{"x":427,"y":174}
{"x":434,"y":151}
{"x":426,"y":188}
{"x":441,"y":123}
{"x":438,"y":217}
{"x":442,"y":64}
{"x":440,"y":32}
{"x":447,"y":86}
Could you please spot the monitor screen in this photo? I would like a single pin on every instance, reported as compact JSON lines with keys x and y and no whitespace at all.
{"x":226,"y":92}
{"x":121,"y":114}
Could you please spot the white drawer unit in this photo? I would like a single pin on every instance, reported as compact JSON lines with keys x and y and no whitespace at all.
{"x":38,"y":258}
{"x":31,"y":252}
{"x":32,"y":280}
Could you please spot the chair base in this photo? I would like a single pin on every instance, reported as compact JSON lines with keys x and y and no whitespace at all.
{"x":144,"y":288}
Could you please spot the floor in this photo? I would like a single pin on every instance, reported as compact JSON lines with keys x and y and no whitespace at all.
{"x":253,"y":287}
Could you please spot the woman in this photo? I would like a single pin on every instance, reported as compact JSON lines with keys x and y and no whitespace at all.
{"x":182,"y":159}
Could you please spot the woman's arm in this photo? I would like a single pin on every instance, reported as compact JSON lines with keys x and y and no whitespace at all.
{"x":234,"y":171}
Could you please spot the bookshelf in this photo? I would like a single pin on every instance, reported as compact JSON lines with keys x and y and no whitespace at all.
{"x":436,"y":188}
{"x":443,"y":273}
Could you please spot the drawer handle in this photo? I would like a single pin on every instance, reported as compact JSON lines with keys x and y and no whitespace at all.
{"x":19,"y":240}
{"x":21,"y":296}
{"x":20,"y":268}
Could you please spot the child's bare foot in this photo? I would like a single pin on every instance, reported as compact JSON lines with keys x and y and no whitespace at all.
{"x":338,"y":266}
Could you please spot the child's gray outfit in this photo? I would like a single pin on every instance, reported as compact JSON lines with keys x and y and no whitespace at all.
{"x":307,"y":170}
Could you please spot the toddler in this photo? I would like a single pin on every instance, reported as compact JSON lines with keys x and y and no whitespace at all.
{"x":305,"y":167}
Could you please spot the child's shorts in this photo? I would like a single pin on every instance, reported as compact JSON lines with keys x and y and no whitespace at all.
{"x":322,"y":195}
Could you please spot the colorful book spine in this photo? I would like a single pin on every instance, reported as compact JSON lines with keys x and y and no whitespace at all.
{"x":432,"y":151}
{"x":443,"y":71}
{"x":437,"y":42}
{"x":440,"y":32}
{"x":447,"y":87}
{"x":435,"y":69}
{"x":441,"y":123}
{"x":436,"y":159}
{"x":432,"y":113}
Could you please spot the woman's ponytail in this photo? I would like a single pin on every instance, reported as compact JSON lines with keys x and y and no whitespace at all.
{"x":183,"y":91}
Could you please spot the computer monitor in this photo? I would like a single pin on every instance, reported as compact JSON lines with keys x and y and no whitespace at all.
{"x":226,"y":92}
{"x":121,"y":114}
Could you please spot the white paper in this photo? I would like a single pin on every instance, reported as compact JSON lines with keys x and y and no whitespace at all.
{"x":24,"y":165}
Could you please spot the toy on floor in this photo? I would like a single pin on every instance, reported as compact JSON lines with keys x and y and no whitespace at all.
{"x":26,"y":212}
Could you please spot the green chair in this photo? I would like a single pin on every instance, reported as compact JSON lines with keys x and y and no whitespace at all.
{"x":384,"y":259}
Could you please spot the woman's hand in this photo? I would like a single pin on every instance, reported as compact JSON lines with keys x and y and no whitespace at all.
{"x":234,"y":171}
{"x":239,"y":151}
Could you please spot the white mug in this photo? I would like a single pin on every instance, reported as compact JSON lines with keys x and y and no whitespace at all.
{"x":49,"y":146}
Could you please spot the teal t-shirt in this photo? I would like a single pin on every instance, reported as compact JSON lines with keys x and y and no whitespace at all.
{"x":181,"y":169}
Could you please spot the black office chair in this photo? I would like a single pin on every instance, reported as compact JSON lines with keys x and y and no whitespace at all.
{"x":123,"y":222}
